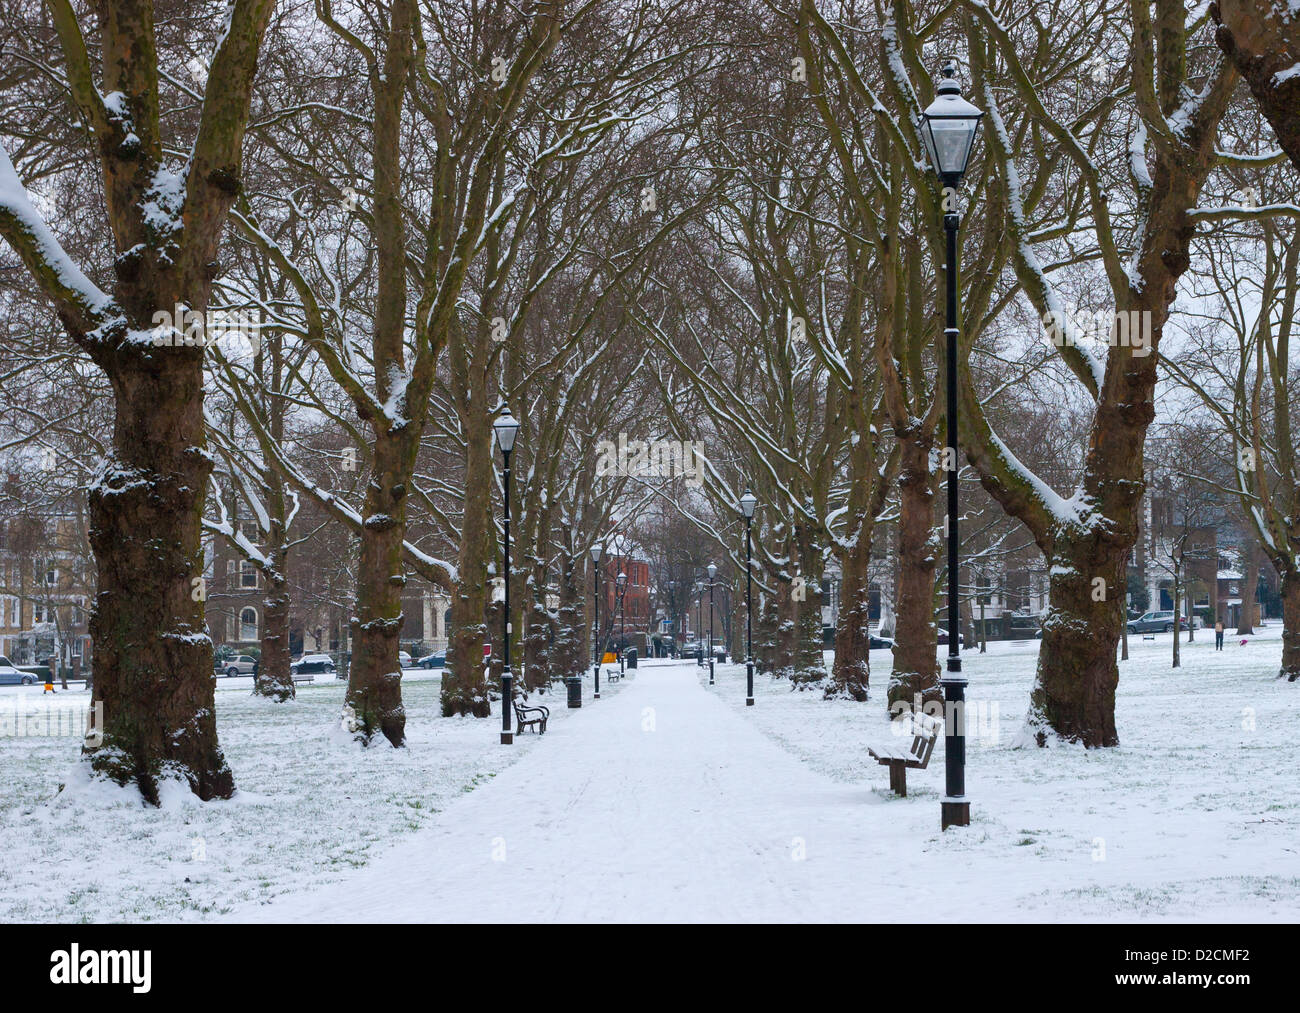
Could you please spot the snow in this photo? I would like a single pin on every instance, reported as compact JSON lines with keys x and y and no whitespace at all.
{"x":15,"y":200}
{"x":669,"y":800}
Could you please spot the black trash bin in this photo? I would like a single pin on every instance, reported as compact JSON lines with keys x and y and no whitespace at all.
{"x":575,"y":691}
{"x":631,"y":658}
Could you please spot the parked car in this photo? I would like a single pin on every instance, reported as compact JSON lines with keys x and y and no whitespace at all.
{"x":404,"y":660}
{"x":435,"y":660}
{"x":239,"y":664}
{"x":878,"y":643}
{"x":306,"y":668}
{"x":1156,"y":622}
{"x":943,"y":637}
{"x":11,"y":676}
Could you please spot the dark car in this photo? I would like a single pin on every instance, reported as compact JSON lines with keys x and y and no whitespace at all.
{"x":436,"y":660}
{"x":1156,"y":622}
{"x":879,"y":643}
{"x":943,"y":638}
{"x":306,"y":668}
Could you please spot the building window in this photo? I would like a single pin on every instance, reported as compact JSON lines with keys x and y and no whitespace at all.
{"x":248,"y":624}
{"x":247,"y":574}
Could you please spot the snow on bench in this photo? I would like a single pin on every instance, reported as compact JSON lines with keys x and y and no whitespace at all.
{"x":899,"y":758}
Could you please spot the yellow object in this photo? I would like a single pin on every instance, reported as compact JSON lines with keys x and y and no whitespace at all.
{"x":609,"y":658}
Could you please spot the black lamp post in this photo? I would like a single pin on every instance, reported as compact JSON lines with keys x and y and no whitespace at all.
{"x":699,"y":624}
{"x":595,"y":624}
{"x":747,"y":504}
{"x":672,"y":616}
{"x":712,"y":570}
{"x":506,"y":427}
{"x":948,"y":128}
{"x":621,"y":581}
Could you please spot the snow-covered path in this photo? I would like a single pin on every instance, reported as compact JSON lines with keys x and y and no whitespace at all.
{"x":654,"y":803}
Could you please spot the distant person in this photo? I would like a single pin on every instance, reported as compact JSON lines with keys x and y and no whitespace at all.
{"x":1218,"y":635}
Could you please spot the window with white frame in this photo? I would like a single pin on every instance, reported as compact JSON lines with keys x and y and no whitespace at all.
{"x":248,"y":624}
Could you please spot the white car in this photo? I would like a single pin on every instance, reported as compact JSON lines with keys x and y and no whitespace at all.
{"x":404,"y":660}
{"x":10,"y":676}
{"x":239,"y":664}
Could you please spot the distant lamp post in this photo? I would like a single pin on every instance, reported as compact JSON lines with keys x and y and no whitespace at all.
{"x":747,"y":504}
{"x":712,"y":572}
{"x":595,"y":620}
{"x":699,"y":624}
{"x":948,"y":127}
{"x":506,"y":427}
{"x":621,"y":581}
{"x":672,"y":617}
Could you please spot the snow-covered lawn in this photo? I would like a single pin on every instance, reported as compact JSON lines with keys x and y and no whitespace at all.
{"x":1194,"y":816}
{"x":670,"y":800}
{"x":309,"y":808}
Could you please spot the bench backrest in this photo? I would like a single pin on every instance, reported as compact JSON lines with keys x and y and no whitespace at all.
{"x":927,"y":728}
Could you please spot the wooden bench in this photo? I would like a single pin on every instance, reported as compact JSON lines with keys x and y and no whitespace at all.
{"x":523,"y":721}
{"x":898,"y":758}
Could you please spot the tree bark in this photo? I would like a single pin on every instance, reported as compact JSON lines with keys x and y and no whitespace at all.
{"x":1074,"y":690}
{"x":1178,"y":595}
{"x":464,"y":689}
{"x":1263,"y":41}
{"x":374,"y":691}
{"x":153,"y":658}
{"x":1290,"y":627}
{"x":851,"y":670}
{"x":1249,"y":590}
{"x":571,"y":632}
{"x":274,"y":677}
{"x":916,"y":641}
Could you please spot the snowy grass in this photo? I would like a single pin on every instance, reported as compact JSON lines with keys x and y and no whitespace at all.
{"x":1195,"y":815}
{"x":309,"y":808}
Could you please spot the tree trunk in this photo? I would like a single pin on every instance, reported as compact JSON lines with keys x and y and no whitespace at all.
{"x":1074,"y":689}
{"x":538,"y":665}
{"x":1290,"y":626}
{"x":274,"y":678}
{"x":1263,"y":41}
{"x":1249,"y":590}
{"x":1178,"y":594}
{"x":464,"y":688}
{"x":375,"y":681}
{"x":571,"y":631}
{"x":153,"y":656}
{"x":851,"y":669}
{"x":809,"y":663}
{"x":916,"y":665}
{"x":766,"y":623}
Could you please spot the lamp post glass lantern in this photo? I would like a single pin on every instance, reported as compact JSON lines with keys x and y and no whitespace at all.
{"x":506,"y":427}
{"x":596,"y":552}
{"x":747,"y":504}
{"x":948,"y":126}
